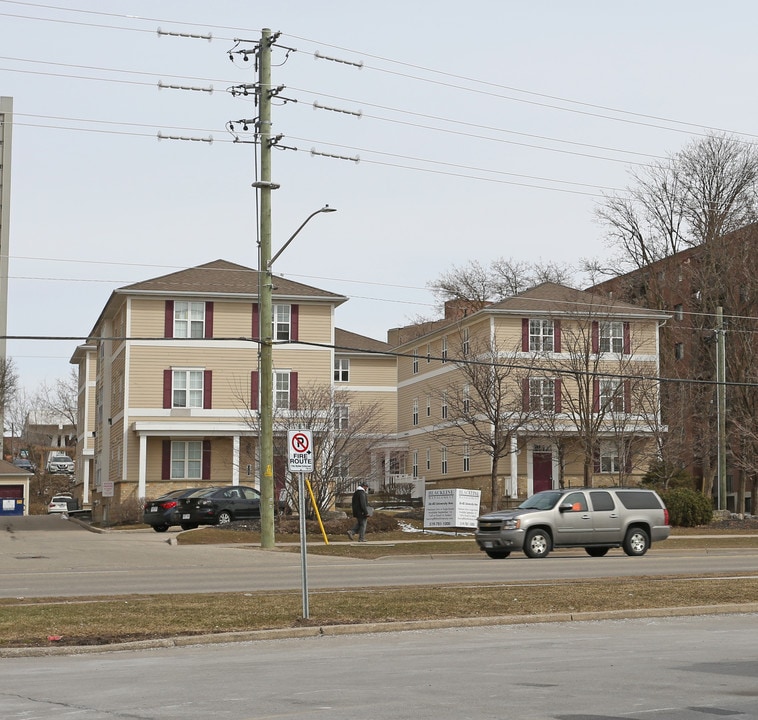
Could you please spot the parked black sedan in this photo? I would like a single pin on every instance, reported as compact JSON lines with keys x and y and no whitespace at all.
{"x":217,"y":506}
{"x":158,"y":513}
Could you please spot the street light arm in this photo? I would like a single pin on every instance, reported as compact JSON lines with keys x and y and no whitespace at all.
{"x":325,"y":209}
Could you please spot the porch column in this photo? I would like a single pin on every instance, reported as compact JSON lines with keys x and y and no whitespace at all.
{"x":235,"y":460}
{"x":142,"y":467}
{"x":513,"y":482}
{"x":85,"y":480}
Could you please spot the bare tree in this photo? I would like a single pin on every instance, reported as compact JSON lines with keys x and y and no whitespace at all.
{"x":347,"y":435}
{"x":478,"y":285}
{"x":8,"y":382}
{"x":605,"y":396}
{"x":700,"y":193}
{"x":485,"y":408}
{"x":60,"y":400}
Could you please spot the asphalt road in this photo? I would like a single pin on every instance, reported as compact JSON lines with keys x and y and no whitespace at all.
{"x":48,"y":556}
{"x":691,"y":668}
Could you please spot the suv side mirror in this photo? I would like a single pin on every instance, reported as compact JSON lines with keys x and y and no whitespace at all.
{"x":565,"y":507}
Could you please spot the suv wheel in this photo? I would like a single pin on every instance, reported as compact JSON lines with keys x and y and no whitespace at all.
{"x":537,"y":543}
{"x":498,"y":554}
{"x":636,"y":542}
{"x":596,"y":551}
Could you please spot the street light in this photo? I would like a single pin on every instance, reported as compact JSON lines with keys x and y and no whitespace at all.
{"x":265,"y":292}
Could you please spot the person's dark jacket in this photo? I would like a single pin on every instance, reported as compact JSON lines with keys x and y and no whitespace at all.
{"x":360,"y":503}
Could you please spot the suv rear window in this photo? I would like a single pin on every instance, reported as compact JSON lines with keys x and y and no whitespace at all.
{"x":638,"y":500}
{"x":602,"y":500}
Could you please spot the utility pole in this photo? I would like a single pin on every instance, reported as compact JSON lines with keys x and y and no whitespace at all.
{"x":264,"y":296}
{"x":721,"y":405}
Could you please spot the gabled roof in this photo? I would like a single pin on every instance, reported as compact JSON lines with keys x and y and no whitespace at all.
{"x":545,"y":299}
{"x":347,"y":342}
{"x":554,"y":299}
{"x":219,"y":278}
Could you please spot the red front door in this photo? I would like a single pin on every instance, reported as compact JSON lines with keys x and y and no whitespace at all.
{"x":543,"y":471}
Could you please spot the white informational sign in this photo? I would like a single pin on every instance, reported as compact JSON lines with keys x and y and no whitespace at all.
{"x":9,"y":505}
{"x":300,"y":450}
{"x":453,"y":507}
{"x":107,"y":489}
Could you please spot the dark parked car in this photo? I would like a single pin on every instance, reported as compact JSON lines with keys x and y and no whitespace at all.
{"x":217,"y":506}
{"x":158,"y":513}
{"x":24,"y":464}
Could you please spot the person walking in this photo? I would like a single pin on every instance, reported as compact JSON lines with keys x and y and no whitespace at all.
{"x":361,"y":512}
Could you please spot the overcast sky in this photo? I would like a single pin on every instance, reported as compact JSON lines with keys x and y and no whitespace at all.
{"x":484,"y":129}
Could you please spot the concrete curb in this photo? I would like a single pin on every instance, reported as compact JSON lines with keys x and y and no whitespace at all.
{"x":368,"y":628}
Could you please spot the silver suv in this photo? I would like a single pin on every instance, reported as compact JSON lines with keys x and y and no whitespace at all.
{"x":596,"y":519}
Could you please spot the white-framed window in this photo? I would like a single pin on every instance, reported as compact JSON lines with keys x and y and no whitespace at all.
{"x":679,"y":351}
{"x":414,"y":411}
{"x":342,"y":465}
{"x":282,"y":318}
{"x":541,"y":394}
{"x":678,"y":312}
{"x":443,"y":349}
{"x":466,"y":399}
{"x":189,"y":319}
{"x":443,"y":461}
{"x":282,"y":389}
{"x":341,"y":417}
{"x":428,"y":459}
{"x":466,"y":457}
{"x":428,"y":405}
{"x":541,"y":335}
{"x":341,"y":369}
{"x":610,"y":461}
{"x":186,"y":460}
{"x":443,"y":406}
{"x":612,"y":337}
{"x":414,"y":464}
{"x":611,"y":395}
{"x":466,"y":341}
{"x":428,"y":353}
{"x":187,"y":388}
{"x":415,"y":361}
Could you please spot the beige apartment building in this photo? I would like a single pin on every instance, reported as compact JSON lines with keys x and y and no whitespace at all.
{"x":553,"y":387}
{"x":168,"y":382}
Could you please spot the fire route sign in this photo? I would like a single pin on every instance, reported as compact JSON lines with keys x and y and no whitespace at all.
{"x":300,"y":450}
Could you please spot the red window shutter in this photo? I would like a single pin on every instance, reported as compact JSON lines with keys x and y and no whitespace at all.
{"x":166,"y":461}
{"x":168,"y":320}
{"x":294,"y":323}
{"x":556,"y":336}
{"x":525,"y":394}
{"x":256,"y":334}
{"x":524,"y":334}
{"x":208,"y":389}
{"x":293,"y":391}
{"x":167,"y":383}
{"x":209,"y":320}
{"x":627,"y":396}
{"x":557,"y":388}
{"x":254,"y":388}
{"x":595,"y":336}
{"x":596,"y":395}
{"x":627,"y":339}
{"x":206,"y":459}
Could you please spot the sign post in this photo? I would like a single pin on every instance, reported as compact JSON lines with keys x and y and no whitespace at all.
{"x":300,"y":455}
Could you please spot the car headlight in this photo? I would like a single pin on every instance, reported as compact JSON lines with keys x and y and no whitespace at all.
{"x":511,"y":524}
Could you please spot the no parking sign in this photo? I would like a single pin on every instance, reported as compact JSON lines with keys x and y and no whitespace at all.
{"x":300,"y":450}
